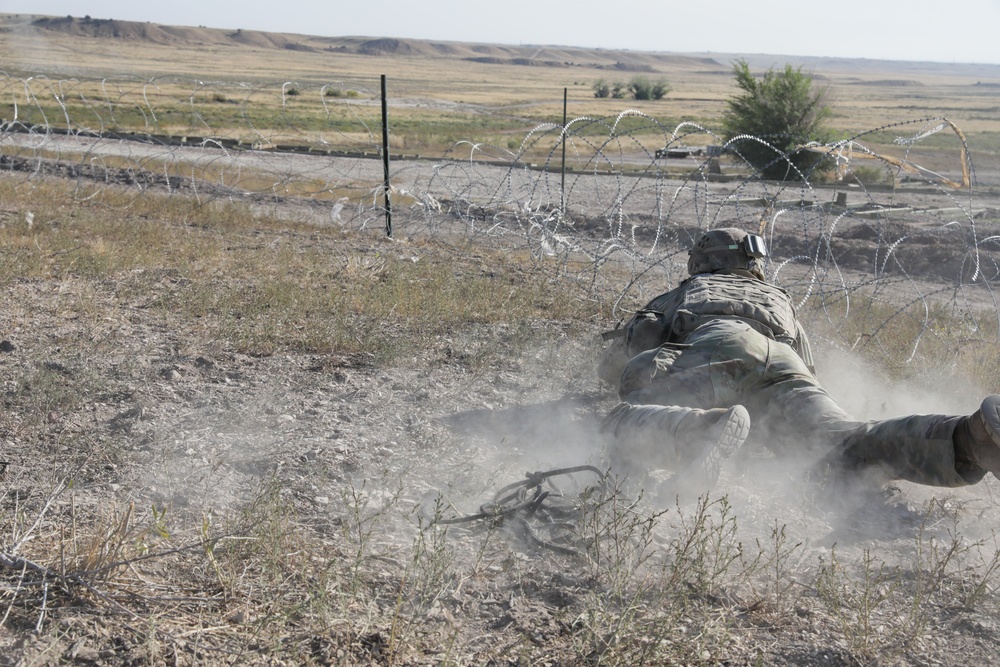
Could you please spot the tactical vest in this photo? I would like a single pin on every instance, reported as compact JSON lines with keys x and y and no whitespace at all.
{"x":705,"y":297}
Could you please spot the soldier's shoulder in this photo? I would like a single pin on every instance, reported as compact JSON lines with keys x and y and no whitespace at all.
{"x":665,"y":296}
{"x":750,"y":283}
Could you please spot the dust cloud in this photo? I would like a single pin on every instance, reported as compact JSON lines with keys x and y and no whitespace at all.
{"x":819,"y":511}
{"x":868,"y":395}
{"x":414,"y":436}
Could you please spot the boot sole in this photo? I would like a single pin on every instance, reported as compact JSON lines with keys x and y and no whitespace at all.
{"x":990,"y":410}
{"x":729,"y":434}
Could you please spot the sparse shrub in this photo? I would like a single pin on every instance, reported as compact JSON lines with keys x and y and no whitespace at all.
{"x":867,"y":175}
{"x":644,"y":89}
{"x":602,"y":89}
{"x":337,"y":92}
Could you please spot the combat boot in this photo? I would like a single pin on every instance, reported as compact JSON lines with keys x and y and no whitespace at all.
{"x":692,"y":442}
{"x":706,"y":439}
{"x":977,"y":437}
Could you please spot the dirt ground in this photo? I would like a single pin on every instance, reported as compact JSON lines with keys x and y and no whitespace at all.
{"x":198,"y":440}
{"x":169,"y":451}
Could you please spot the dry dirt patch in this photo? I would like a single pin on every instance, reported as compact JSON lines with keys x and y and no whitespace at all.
{"x":190,"y":503}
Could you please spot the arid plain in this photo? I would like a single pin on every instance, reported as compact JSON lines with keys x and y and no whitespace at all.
{"x":227,"y":432}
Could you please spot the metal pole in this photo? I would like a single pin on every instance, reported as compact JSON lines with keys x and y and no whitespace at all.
{"x":562,"y":188}
{"x":385,"y":159}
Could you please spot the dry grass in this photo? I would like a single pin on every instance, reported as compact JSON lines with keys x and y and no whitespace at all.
{"x":296,"y":291}
{"x":333,"y":560}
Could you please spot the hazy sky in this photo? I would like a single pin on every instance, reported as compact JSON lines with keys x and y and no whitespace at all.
{"x":946,"y":31}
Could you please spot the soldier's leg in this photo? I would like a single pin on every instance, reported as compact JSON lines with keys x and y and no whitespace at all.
{"x":669,"y":383}
{"x":935,"y":450}
{"x":727,"y":363}
{"x":692,"y":442}
{"x":689,"y":375}
{"x":977,"y":437}
{"x":793,"y":415}
{"x":793,"y":412}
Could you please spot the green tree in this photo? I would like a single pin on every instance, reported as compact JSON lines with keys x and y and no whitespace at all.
{"x":602,"y":88}
{"x":783,"y":109}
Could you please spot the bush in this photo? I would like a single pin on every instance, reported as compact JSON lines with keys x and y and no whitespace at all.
{"x":602,"y":88}
{"x":643,"y":89}
{"x":868,"y":175}
{"x":783,"y":110}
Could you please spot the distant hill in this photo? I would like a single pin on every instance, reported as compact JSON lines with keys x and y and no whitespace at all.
{"x":527,"y":55}
{"x":532,"y":56}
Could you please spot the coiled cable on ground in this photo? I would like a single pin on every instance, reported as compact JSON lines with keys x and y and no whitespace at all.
{"x":529,"y":510}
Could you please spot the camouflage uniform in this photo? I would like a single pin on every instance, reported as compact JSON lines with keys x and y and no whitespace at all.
{"x":727,"y":338}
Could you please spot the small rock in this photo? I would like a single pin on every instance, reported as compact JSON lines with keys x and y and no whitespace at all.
{"x":322,"y":500}
{"x":204,"y":362}
{"x":87,"y":654}
{"x":83,"y":653}
{"x":6,"y":346}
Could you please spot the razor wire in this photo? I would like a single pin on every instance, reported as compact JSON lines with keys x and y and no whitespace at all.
{"x":902,"y":236}
{"x":540,"y":512}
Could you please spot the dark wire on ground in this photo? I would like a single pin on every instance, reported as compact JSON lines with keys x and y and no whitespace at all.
{"x":527,"y":508}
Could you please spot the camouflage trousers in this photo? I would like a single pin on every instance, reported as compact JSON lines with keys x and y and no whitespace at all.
{"x":726,"y":362}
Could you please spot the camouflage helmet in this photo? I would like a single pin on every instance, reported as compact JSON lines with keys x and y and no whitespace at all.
{"x":730,"y":249}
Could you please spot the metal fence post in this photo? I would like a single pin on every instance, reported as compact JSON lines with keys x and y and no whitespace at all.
{"x":385,"y":159}
{"x":562,"y":187}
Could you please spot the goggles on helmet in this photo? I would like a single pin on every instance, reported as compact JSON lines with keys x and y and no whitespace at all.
{"x":752,"y":244}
